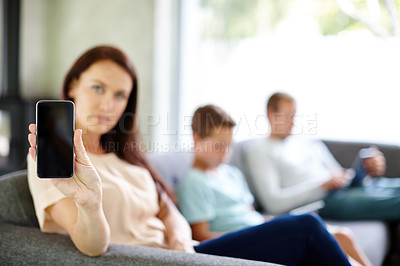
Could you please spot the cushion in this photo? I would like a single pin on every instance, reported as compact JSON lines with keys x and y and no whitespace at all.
{"x":21,"y":245}
{"x":16,"y":201}
{"x":172,"y":166}
{"x":372,"y":236}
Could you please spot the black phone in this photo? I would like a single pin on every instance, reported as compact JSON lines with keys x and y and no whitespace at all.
{"x":55,"y":124}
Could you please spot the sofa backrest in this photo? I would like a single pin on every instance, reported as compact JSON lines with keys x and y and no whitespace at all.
{"x":345,"y":153}
{"x":16,"y":201}
{"x":173,"y":165}
{"x":17,"y":205}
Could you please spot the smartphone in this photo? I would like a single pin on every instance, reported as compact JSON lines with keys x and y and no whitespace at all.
{"x":311,"y":207}
{"x":55,"y":124}
{"x":367,"y":152}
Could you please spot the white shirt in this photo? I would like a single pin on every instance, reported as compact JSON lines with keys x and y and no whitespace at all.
{"x":288,"y":173}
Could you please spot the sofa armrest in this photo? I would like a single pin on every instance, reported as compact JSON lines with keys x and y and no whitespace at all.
{"x":345,"y":152}
{"x":21,"y":245}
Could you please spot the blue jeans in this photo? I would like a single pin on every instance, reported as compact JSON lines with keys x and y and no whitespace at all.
{"x":288,"y":240}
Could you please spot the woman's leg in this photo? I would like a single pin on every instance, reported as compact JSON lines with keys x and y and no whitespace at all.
{"x":348,"y":243}
{"x":288,"y":240}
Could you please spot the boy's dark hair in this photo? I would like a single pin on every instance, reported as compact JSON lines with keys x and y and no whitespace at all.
{"x":208,"y":118}
{"x":276,"y":98}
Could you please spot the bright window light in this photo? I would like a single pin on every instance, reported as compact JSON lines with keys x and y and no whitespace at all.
{"x":346,"y":84}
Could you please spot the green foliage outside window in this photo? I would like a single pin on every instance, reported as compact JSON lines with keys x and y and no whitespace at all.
{"x":332,"y":20}
{"x":231,"y":20}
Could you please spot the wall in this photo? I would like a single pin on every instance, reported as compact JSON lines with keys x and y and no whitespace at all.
{"x":55,"y":32}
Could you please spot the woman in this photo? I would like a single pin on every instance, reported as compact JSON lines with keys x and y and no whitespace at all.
{"x":115,"y":196}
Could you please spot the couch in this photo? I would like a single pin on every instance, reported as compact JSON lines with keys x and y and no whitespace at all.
{"x":374,"y":236}
{"x":22,"y":243}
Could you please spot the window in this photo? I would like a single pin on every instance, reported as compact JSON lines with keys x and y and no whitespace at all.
{"x":344,"y":77}
{"x":5,"y":138}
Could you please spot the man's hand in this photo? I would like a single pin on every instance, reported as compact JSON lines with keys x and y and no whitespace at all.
{"x":375,"y":165}
{"x":338,"y":180}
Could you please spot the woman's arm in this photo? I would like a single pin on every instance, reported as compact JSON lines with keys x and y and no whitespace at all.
{"x":201,"y":231}
{"x":86,"y":225}
{"x":178,"y":233}
{"x":81,"y":213}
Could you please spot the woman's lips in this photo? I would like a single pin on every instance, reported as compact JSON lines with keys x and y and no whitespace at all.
{"x":102,"y":119}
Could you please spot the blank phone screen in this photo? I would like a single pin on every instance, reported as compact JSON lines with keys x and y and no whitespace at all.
{"x":54,"y":131}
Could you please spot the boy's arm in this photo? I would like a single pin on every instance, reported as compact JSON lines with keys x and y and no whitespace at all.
{"x":201,"y":231}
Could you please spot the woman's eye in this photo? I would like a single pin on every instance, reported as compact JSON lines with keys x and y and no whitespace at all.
{"x":120,"y":96}
{"x":97,"y":88}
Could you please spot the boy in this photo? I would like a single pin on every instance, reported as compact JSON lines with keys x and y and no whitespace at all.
{"x":214,"y":197}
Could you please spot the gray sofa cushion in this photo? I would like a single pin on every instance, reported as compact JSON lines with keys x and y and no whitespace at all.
{"x":21,"y":245}
{"x":16,"y":201}
{"x":172,"y":166}
{"x":373,"y":237}
{"x":22,"y":242}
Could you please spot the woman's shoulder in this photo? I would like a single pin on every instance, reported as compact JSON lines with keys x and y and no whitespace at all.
{"x":110,"y":162}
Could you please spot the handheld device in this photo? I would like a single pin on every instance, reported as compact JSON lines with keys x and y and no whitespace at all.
{"x":55,"y":123}
{"x":311,"y":207}
{"x":367,"y":152}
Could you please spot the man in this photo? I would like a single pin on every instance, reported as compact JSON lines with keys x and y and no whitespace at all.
{"x":289,"y":171}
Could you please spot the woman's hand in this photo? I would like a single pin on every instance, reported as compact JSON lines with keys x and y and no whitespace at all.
{"x":81,"y":213}
{"x":184,"y":245}
{"x":85,"y":186}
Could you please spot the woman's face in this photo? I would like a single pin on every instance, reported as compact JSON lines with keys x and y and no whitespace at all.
{"x":100,"y":94}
